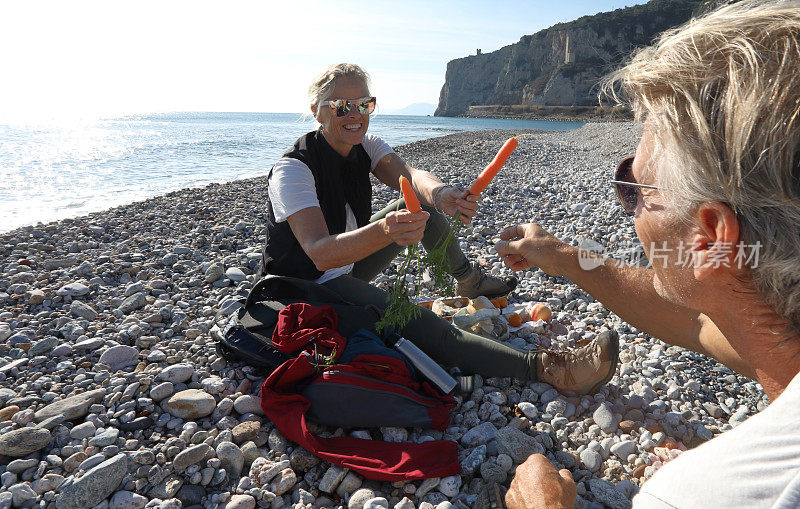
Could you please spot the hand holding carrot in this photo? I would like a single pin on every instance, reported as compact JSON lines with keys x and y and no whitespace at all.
{"x":455,"y":200}
{"x":406,"y":227}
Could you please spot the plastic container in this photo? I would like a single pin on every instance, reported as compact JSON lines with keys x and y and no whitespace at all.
{"x":426,"y":365}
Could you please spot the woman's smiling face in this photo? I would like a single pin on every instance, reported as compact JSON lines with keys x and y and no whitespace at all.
{"x":344,"y":132}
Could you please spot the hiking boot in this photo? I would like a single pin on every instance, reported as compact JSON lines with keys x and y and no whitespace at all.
{"x":583,"y":370}
{"x":476,"y":283}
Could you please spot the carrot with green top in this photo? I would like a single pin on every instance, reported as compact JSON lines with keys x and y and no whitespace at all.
{"x":437,"y":259}
{"x":412,"y":202}
{"x":486,"y":176}
{"x":400,"y":309}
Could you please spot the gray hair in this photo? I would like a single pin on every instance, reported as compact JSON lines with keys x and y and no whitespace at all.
{"x":322,"y":87}
{"x":723,"y":94}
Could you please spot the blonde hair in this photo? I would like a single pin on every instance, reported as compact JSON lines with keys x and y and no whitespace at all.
{"x":723,"y":95}
{"x":322,"y":87}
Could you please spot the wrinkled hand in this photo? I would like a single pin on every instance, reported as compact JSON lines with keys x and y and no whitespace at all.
{"x":529,"y":245}
{"x":405,"y":228}
{"x":537,"y":485}
{"x":456,"y":199}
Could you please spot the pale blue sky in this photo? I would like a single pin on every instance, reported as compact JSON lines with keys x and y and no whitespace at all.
{"x":111,"y":57}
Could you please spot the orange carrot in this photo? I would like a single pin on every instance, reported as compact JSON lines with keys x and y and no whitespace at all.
{"x":486,"y":176}
{"x":412,"y":202}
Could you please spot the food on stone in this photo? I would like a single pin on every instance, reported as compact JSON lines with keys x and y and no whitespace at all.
{"x":500,"y":302}
{"x":540,"y":311}
{"x":514,"y":320}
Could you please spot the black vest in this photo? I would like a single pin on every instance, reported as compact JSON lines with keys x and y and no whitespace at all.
{"x":339,"y":181}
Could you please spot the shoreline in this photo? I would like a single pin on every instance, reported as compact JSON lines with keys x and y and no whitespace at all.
{"x":558,"y":117}
{"x":116,"y":309}
{"x":43,"y":193}
{"x":593,"y":114}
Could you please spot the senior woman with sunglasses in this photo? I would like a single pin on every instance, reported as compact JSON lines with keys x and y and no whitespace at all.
{"x":717,"y":172}
{"x":320,"y":228}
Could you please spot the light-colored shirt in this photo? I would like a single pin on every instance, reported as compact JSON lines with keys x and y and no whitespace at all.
{"x":755,"y":465}
{"x":291,"y":189}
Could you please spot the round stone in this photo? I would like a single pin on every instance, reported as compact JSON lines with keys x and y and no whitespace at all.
{"x":529,"y":409}
{"x":23,"y":441}
{"x":623,"y":449}
{"x":162,"y":391}
{"x":591,"y":460}
{"x":177,"y":373}
{"x":248,"y":404}
{"x":235,"y":274}
{"x":604,"y":418}
{"x":94,"y":486}
{"x":241,"y":502}
{"x":245,"y":431}
{"x":359,"y":498}
{"x":190,"y":456}
{"x":231,"y":457}
{"x":120,"y":356}
{"x":127,"y":500}
{"x":190,"y":404}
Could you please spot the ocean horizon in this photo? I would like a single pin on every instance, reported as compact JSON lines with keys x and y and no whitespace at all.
{"x":53,"y":171}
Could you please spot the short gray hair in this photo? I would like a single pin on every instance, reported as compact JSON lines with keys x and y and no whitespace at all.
{"x":723,"y":94}
{"x":322,"y":87}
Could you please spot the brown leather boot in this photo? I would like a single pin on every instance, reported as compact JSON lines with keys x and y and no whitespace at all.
{"x":476,"y":283}
{"x":583,"y":370}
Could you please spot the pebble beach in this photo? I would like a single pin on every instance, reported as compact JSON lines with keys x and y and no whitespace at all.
{"x":112,"y":394}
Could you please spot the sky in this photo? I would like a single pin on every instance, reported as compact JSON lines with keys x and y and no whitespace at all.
{"x":99,"y":58}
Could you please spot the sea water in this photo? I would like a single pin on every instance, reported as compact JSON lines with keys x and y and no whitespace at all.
{"x":51,"y":171}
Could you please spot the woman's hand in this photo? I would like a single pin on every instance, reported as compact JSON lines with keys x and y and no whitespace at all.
{"x":537,"y":484}
{"x":529,"y":245}
{"x":405,"y":228}
{"x":455,"y":199}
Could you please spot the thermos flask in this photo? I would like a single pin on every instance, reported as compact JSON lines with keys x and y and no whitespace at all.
{"x":426,"y":365}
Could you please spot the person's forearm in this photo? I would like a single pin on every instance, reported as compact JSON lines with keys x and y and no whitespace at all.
{"x":349,"y":247}
{"x":629,"y":292}
{"x":425,"y":185}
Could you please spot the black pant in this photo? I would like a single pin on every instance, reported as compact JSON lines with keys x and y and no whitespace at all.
{"x":445,"y":343}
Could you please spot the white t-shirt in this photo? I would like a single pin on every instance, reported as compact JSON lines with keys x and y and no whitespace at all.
{"x":755,"y":465}
{"x":291,"y":189}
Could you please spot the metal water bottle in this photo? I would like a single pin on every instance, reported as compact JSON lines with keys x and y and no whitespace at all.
{"x":426,"y":365}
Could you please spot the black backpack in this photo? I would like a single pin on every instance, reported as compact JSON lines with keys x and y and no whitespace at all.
{"x":247,"y":337}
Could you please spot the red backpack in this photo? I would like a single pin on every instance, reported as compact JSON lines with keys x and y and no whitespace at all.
{"x":355,"y":382}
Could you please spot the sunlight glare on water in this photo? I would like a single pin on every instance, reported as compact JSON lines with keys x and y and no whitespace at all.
{"x":51,"y":171}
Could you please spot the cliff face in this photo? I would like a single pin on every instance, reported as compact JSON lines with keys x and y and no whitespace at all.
{"x":561,"y":65}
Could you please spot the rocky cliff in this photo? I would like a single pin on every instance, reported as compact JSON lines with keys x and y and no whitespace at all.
{"x":561,"y":65}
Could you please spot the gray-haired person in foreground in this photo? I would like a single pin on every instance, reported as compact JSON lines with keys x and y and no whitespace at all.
{"x":717,"y":173}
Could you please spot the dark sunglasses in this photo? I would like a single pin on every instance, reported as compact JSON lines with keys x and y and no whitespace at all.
{"x":342,"y":107}
{"x":626,"y":186}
